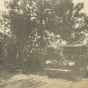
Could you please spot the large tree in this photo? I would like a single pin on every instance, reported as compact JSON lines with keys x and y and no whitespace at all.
{"x":32,"y":21}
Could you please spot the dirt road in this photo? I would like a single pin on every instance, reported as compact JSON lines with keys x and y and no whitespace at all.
{"x":37,"y":81}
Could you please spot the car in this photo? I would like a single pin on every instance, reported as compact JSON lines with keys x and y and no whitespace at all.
{"x":72,"y":60}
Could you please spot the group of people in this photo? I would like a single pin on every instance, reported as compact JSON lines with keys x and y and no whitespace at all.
{"x":30,"y":62}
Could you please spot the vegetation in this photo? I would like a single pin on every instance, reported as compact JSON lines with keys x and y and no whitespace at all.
{"x":32,"y":22}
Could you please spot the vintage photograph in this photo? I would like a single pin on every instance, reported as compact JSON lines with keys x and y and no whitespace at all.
{"x":43,"y":43}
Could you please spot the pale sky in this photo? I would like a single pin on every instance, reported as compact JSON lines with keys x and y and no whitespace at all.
{"x":76,"y":1}
{"x":1,"y":5}
{"x":85,"y":5}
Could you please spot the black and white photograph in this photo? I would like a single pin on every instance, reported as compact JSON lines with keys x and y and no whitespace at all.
{"x":43,"y":43}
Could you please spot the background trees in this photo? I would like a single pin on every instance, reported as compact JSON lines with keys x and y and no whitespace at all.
{"x":32,"y":22}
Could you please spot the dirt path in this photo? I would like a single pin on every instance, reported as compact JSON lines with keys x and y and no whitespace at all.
{"x":36,"y":81}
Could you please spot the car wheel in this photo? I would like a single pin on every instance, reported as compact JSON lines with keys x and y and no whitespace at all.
{"x":51,"y":73}
{"x":75,"y":73}
{"x":84,"y":72}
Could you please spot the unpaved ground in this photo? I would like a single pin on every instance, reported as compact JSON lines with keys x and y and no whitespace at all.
{"x":38,"y":81}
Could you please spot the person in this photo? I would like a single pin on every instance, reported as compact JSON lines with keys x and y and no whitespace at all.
{"x":24,"y":61}
{"x":61,"y":53}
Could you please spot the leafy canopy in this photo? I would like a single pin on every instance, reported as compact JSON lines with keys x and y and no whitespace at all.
{"x":33,"y":20}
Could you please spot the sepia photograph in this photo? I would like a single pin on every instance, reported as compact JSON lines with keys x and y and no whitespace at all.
{"x":43,"y":43}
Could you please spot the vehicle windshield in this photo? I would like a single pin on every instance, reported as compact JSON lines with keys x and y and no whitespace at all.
{"x":74,"y":51}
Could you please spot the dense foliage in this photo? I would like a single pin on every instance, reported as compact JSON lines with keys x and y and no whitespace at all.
{"x":33,"y":22}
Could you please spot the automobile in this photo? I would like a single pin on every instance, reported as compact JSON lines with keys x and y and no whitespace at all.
{"x":72,"y":60}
